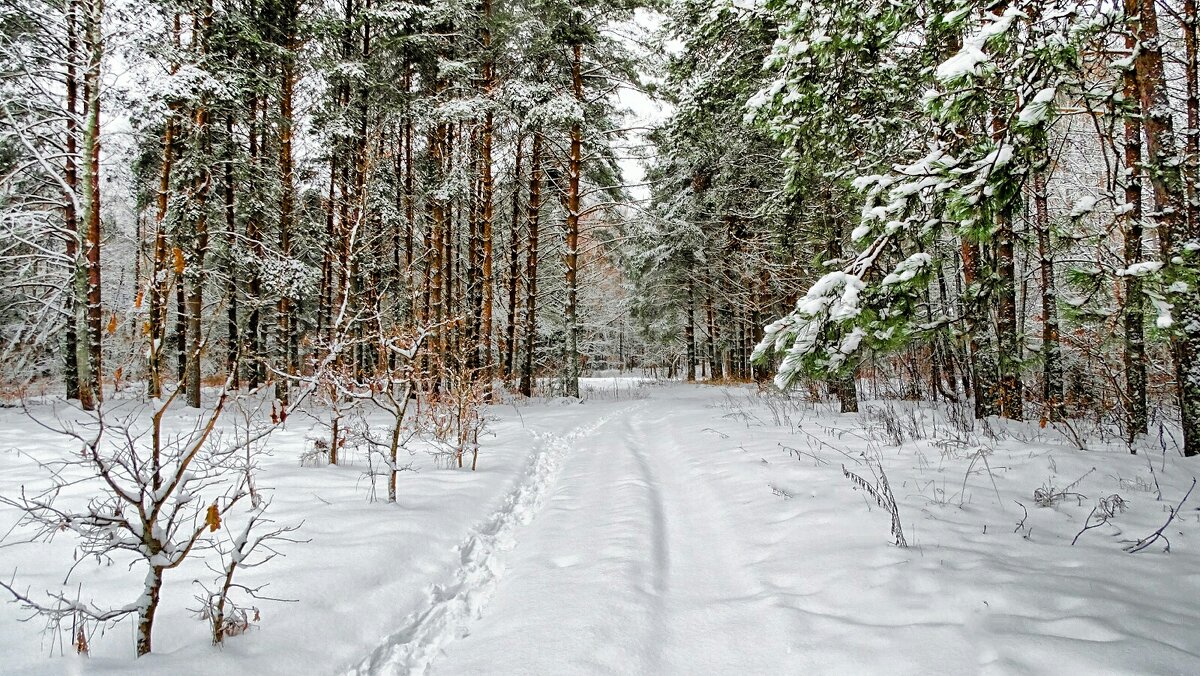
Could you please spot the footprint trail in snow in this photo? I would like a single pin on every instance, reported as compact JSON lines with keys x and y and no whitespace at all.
{"x":453,"y":605}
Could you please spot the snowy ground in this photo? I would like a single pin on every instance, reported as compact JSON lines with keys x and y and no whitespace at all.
{"x":668,"y":529}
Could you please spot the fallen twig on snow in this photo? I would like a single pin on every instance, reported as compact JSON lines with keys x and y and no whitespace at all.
{"x":1158,"y":534}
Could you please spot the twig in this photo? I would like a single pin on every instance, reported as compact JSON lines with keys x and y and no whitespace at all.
{"x":1153,"y":537}
{"x":798,"y":452}
{"x":1021,"y":523}
{"x":1073,"y":484}
{"x":1153,"y":475}
{"x":780,"y":492}
{"x":1088,"y":525}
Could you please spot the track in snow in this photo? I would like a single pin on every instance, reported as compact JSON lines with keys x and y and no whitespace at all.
{"x":633,"y":567}
{"x":452,"y":605}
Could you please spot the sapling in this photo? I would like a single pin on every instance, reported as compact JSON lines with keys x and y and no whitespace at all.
{"x":156,"y":494}
{"x":251,"y":547}
{"x":394,"y":395}
{"x":451,"y":418}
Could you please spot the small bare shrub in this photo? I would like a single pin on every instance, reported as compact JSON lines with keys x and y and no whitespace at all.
{"x":1105,"y":509}
{"x":253,"y":546}
{"x":316,"y":453}
{"x":154,"y":497}
{"x":1048,"y":495}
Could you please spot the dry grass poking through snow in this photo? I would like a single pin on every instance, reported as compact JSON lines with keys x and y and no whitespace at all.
{"x":1020,"y":538}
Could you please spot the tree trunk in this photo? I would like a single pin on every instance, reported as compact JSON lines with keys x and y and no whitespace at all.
{"x":714,"y":357}
{"x":70,"y":211}
{"x":254,"y":238}
{"x":399,"y":409}
{"x":1192,"y":135}
{"x":514,"y":269}
{"x":573,"y":207}
{"x":285,"y":358}
{"x":1166,"y":178}
{"x":473,"y":283}
{"x":410,"y":190}
{"x":195,"y":301}
{"x":437,"y":235}
{"x":233,"y":345}
{"x":531,"y":263}
{"x":1008,"y":396}
{"x":325,"y":293}
{"x":91,"y":387}
{"x":689,"y":330}
{"x":982,"y":373}
{"x":1052,"y":374}
{"x":147,"y":610}
{"x":1138,"y":417}
{"x":181,"y":320}
{"x":202,"y":183}
{"x":486,"y":208}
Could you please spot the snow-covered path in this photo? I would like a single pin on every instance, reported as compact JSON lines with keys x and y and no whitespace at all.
{"x":699,"y":531}
{"x":631,"y":564}
{"x":692,"y":530}
{"x":632,"y":559}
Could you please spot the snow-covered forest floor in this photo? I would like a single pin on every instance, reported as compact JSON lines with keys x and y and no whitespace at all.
{"x":671,"y":529}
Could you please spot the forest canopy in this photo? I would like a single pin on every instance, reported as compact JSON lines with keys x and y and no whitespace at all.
{"x":959,"y":200}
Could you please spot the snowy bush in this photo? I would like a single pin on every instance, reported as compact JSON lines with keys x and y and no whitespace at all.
{"x":158,"y":494}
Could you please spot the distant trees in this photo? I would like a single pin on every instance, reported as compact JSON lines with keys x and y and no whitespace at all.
{"x":988,"y":201}
{"x":51,"y":189}
{"x":302,"y":172}
{"x":947,"y":195}
{"x":714,"y":257}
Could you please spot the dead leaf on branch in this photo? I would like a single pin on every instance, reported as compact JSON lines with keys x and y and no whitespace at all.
{"x":213,"y":518}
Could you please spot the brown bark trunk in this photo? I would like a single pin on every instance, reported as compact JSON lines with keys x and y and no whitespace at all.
{"x":91,"y":387}
{"x":164,"y":270}
{"x":325,"y":311}
{"x":1052,"y":375}
{"x":531,"y":264}
{"x":410,"y":201}
{"x":980,"y":376}
{"x":714,"y":356}
{"x":690,"y":330}
{"x":202,"y":184}
{"x":1192,"y":136}
{"x":514,"y":269}
{"x":1171,"y":215}
{"x":232,"y":336}
{"x":437,"y":244}
{"x":285,"y":358}
{"x":254,"y":237}
{"x":472,"y":281}
{"x":487,"y":208}
{"x":573,"y":207}
{"x":181,"y":322}
{"x":1008,"y":397}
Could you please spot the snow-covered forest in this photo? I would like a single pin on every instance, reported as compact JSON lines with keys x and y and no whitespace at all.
{"x":584,"y":336}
